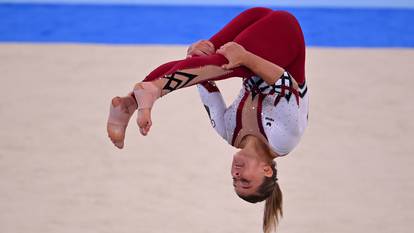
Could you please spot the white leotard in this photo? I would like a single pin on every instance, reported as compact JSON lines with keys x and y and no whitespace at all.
{"x":280,"y":117}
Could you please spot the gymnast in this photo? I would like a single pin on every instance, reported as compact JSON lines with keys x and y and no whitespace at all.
{"x":266,"y":49}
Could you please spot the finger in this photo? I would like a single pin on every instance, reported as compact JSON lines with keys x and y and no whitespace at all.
{"x":198,"y":53}
{"x":147,"y":126}
{"x":231,"y":43}
{"x":145,"y":130}
{"x":205,"y":49}
{"x":120,"y":145}
{"x":225,"y":66}
{"x":226,"y":45}
{"x":230,"y":66}
{"x":141,"y":130}
{"x":189,"y":53}
{"x":210,"y":44}
{"x":207,"y":42}
{"x":195,"y":52}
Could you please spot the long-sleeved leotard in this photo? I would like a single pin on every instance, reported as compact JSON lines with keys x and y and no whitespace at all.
{"x":273,"y":35}
{"x":278,"y":119}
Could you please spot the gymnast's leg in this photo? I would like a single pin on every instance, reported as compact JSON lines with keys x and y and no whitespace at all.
{"x":238,"y":24}
{"x":180,"y":74}
{"x":280,"y":42}
{"x":226,"y":34}
{"x":184,"y":73}
{"x":122,"y":108}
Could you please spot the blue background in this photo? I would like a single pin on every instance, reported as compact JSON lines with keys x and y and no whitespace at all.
{"x":162,"y":24}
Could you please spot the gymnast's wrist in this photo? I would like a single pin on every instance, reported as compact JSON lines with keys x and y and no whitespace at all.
{"x":248,"y":59}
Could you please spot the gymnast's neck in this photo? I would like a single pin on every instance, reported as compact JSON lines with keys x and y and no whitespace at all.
{"x":254,"y":145}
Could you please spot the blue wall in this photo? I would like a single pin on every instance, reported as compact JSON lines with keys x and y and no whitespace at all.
{"x":296,"y":3}
{"x":144,"y":24}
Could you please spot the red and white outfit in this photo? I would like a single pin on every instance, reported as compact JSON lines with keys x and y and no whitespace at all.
{"x":276,"y":114}
{"x":280,"y":118}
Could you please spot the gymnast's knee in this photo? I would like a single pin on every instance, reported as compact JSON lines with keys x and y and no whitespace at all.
{"x":281,"y":14}
{"x":193,"y":62}
{"x":256,"y":11}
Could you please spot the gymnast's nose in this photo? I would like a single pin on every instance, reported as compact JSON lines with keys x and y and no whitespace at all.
{"x":236,"y":174}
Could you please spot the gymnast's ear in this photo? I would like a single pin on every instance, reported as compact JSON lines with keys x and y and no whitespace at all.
{"x":268,"y":172}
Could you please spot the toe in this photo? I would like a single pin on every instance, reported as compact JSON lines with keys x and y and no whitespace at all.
{"x":120,"y":145}
{"x":116,"y":101}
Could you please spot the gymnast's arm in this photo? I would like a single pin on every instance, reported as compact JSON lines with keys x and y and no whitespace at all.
{"x":209,"y":93}
{"x":238,"y":56}
{"x":214,"y":105}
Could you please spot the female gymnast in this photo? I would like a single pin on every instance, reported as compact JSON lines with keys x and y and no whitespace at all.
{"x":264,"y":47}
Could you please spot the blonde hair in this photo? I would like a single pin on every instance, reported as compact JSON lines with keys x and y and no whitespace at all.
{"x":270,"y":191}
{"x":273,"y":210}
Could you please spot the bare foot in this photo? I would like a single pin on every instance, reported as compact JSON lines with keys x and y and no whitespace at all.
{"x":144,"y":120}
{"x":146,"y":93}
{"x":120,"y":112}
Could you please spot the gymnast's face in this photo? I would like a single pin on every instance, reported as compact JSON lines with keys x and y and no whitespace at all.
{"x":248,"y":172}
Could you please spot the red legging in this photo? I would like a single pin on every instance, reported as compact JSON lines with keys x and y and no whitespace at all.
{"x":273,"y":35}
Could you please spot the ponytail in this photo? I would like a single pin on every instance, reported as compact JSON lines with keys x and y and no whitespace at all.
{"x":273,"y":210}
{"x":270,"y":191}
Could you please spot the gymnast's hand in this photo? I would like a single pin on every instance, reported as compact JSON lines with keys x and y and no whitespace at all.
{"x":234,"y":52}
{"x":201,"y":48}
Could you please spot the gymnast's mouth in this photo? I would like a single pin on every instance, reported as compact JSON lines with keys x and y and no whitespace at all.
{"x":238,"y":165}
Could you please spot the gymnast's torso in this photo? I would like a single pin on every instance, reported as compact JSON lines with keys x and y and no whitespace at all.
{"x":274,"y":114}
